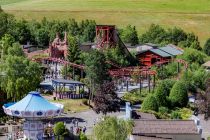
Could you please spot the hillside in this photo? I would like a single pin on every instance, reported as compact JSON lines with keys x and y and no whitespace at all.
{"x":191,"y":15}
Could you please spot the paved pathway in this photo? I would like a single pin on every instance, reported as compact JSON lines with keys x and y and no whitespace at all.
{"x":205,"y":126}
{"x":88,"y":119}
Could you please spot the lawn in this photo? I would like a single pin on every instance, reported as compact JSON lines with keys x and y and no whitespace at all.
{"x":191,"y":15}
{"x":72,"y":105}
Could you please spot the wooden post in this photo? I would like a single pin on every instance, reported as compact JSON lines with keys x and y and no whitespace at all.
{"x":154,"y":83}
{"x":149,"y":82}
{"x":140,"y":84}
{"x":56,"y":69}
{"x":126,"y":85}
{"x":73,"y":76}
{"x":82,"y":74}
{"x":66,"y":71}
{"x":178,"y":67}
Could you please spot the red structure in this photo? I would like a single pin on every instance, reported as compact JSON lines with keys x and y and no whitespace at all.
{"x":59,"y":48}
{"x":153,"y":57}
{"x":105,"y":36}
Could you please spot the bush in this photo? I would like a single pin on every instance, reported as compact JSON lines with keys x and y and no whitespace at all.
{"x":176,"y":115}
{"x":59,"y":128}
{"x":150,"y":103}
{"x":163,"y":110}
{"x":193,"y":56}
{"x":162,"y":92}
{"x":208,"y":138}
{"x":82,"y":136}
{"x":134,"y":97}
{"x":178,"y":95}
{"x":185,"y":113}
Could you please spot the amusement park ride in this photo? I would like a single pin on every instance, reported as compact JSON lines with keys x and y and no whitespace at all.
{"x":106,"y":36}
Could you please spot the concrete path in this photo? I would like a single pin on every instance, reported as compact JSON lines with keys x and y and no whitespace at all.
{"x":88,"y":118}
{"x":205,"y":126}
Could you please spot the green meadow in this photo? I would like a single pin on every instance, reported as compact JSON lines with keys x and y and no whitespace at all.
{"x":191,"y":15}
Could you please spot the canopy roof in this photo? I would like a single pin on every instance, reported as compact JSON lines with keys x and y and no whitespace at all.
{"x":171,"y":49}
{"x":67,"y":82}
{"x":33,"y":105}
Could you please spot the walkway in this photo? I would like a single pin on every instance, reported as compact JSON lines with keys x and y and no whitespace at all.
{"x":205,"y":126}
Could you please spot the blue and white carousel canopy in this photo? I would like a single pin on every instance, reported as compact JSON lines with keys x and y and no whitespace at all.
{"x":34,"y":106}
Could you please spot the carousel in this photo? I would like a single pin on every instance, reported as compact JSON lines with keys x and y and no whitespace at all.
{"x":34,"y":109}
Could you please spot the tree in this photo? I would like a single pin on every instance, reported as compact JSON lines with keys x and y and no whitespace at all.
{"x":191,"y":42}
{"x":106,"y":99}
{"x":15,"y":50}
{"x":178,"y":94}
{"x":162,"y":92}
{"x":21,"y":32}
{"x":73,"y":50}
{"x":129,"y":35}
{"x":21,"y":76}
{"x":206,"y":47}
{"x":112,"y":128}
{"x":150,"y":103}
{"x":5,"y":22}
{"x":176,"y":35}
{"x":193,"y":56}
{"x":87,"y":30}
{"x":117,"y":56}
{"x":6,"y":42}
{"x":42,"y":37}
{"x":96,"y":68}
{"x":155,"y":34}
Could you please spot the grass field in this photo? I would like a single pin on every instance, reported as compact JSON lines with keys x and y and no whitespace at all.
{"x":72,"y":105}
{"x":191,"y":15}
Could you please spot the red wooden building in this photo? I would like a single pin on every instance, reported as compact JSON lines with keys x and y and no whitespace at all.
{"x":153,"y":56}
{"x":157,"y":56}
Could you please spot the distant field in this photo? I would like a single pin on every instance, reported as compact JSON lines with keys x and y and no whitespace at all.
{"x":191,"y":15}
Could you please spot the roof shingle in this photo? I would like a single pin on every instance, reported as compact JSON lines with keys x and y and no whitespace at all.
{"x":165,"y":127}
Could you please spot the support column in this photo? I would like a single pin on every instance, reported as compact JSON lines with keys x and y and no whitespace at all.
{"x":56,"y":70}
{"x":126,"y":85}
{"x":82,"y":73}
{"x":178,"y":67}
{"x":149,"y":82}
{"x":154,"y":83}
{"x":140,"y":84}
{"x":73,"y":75}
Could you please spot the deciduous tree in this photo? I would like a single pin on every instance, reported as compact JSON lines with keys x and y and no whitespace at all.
{"x":106,"y":99}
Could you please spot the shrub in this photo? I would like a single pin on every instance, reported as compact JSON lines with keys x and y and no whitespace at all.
{"x":176,"y":115}
{"x":185,"y":113}
{"x":162,"y":91}
{"x":163,"y":110}
{"x":178,"y":95}
{"x":82,"y":136}
{"x":59,"y":128}
{"x":192,"y":55}
{"x":150,"y":103}
{"x":135,"y":97}
{"x":208,"y":138}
